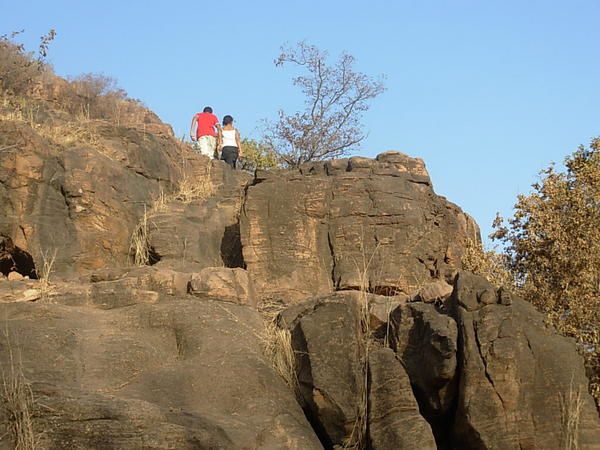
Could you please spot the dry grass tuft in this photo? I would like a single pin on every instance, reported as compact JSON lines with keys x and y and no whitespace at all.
{"x":70,"y":133}
{"x":191,"y":189}
{"x":138,"y":247}
{"x":16,"y":402}
{"x":270,"y":308}
{"x":48,"y":259}
{"x":358,"y":436}
{"x":277,"y":348}
{"x":159,"y":204}
{"x":571,"y":404}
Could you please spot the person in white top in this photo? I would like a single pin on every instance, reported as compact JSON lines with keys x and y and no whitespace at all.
{"x":229,"y":142}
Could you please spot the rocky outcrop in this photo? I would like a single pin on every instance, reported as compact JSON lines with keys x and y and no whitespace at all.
{"x":519,"y":380}
{"x":83,"y":202}
{"x":483,"y":368}
{"x":174,"y":372}
{"x":203,"y":231}
{"x":349,"y":223}
{"x":391,"y":346}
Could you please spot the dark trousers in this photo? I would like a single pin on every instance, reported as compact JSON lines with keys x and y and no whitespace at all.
{"x":230,"y":154}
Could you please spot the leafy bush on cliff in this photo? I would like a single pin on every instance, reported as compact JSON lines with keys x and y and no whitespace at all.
{"x":490,"y":264}
{"x":257,"y":155}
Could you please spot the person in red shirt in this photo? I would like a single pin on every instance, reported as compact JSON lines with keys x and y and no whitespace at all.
{"x":205,"y":137}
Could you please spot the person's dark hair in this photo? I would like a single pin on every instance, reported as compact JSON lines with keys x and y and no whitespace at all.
{"x":227,"y":120}
{"x":207,"y":109}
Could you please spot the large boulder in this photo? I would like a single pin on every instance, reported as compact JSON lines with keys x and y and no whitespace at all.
{"x":394,"y":417}
{"x":230,"y":285}
{"x":353,"y":391}
{"x":426,"y":342}
{"x":520,"y":382}
{"x":348,"y":224}
{"x":179,"y":373}
{"x":329,"y":348}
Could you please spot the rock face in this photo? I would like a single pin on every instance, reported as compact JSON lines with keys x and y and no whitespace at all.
{"x":426,"y":343}
{"x":394,"y":418}
{"x":182,"y":373}
{"x":327,"y":342}
{"x":516,"y":370}
{"x":205,"y":231}
{"x":491,"y":377}
{"x":348,"y":223}
{"x":82,"y":202}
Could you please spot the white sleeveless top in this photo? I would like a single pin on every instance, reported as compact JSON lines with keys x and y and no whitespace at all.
{"x":229,"y":138}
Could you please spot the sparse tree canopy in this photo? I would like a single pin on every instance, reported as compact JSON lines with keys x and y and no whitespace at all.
{"x":336,"y":96}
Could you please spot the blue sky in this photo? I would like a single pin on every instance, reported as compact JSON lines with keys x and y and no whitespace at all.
{"x":486,"y":92}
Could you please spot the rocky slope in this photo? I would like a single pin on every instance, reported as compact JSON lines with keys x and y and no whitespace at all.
{"x":357,"y":260}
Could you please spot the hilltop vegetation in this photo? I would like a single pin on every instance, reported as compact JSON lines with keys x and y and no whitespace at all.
{"x":58,"y":108}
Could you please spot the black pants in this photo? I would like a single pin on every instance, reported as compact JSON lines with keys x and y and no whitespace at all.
{"x":230,"y":154}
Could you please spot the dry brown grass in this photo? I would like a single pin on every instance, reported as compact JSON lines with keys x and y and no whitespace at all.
{"x":159,"y":204}
{"x":358,"y":436}
{"x":70,"y":133}
{"x":138,"y":247}
{"x":193,"y":188}
{"x":74,"y":132}
{"x":278,"y":349}
{"x":571,"y":404}
{"x":43,"y":274}
{"x":17,"y":401}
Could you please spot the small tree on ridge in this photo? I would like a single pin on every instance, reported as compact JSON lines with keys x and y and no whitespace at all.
{"x":336,"y":96}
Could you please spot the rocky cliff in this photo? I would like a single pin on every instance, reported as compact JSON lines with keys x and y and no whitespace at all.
{"x":153,"y":299}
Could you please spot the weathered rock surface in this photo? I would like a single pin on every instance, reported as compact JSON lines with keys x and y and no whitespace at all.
{"x":204,"y":231}
{"x":181,"y":373}
{"x":515,"y":376}
{"x":329,"y":351}
{"x":491,"y":377}
{"x":230,"y":285}
{"x":394,"y":418}
{"x":319,"y":229}
{"x":435,"y":291}
{"x":426,"y":342}
{"x":83,"y":202}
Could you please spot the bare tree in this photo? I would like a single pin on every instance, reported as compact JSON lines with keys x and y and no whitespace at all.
{"x":336,"y":96}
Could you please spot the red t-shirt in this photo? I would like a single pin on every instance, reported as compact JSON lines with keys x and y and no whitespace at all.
{"x":206,"y":124}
